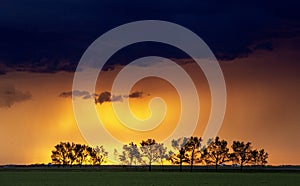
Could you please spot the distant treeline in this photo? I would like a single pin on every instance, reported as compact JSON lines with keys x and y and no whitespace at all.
{"x":185,"y":151}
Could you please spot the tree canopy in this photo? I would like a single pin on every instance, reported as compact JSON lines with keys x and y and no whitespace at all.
{"x":148,"y":152}
{"x":67,"y":153}
{"x":216,"y":152}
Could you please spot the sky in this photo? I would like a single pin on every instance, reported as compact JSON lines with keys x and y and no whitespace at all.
{"x":41,"y":43}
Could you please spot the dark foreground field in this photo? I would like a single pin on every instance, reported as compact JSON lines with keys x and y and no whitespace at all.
{"x":87,"y":178}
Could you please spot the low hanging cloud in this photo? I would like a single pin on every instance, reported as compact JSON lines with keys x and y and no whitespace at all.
{"x":117,"y":98}
{"x":108,"y":97}
{"x":103,"y":97}
{"x":76,"y":93}
{"x":136,"y":94}
{"x":9,"y":95}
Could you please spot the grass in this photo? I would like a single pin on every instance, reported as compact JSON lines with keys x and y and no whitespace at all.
{"x":34,"y":178}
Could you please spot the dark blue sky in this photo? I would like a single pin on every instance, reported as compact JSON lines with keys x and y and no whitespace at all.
{"x":51,"y":35}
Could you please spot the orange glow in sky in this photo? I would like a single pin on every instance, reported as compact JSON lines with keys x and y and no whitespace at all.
{"x":262,"y":109}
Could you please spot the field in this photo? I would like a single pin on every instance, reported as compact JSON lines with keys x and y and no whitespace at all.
{"x":88,"y":178}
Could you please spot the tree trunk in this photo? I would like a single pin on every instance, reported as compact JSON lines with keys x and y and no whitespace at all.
{"x":242,"y":167}
{"x":216,"y":167}
{"x":180,"y":165}
{"x":192,"y":161}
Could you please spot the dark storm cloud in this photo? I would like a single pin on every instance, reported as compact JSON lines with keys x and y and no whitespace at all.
{"x":103,"y":97}
{"x":100,"y":98}
{"x":264,"y":46}
{"x":9,"y":96}
{"x":50,"y":36}
{"x":136,"y":94}
{"x":108,"y":97}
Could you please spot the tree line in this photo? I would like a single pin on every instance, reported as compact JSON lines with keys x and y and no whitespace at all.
{"x":67,"y":153}
{"x":185,"y":150}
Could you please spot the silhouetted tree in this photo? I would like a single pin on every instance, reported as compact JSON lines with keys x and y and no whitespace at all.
{"x":149,"y":149}
{"x":71,"y":153}
{"x":67,"y":153}
{"x":116,"y":154}
{"x":130,"y":154}
{"x":180,"y":156}
{"x":193,"y":150}
{"x":216,"y":152}
{"x":100,"y":155}
{"x":242,"y":153}
{"x":82,"y":153}
{"x":61,"y":154}
{"x":91,"y":155}
{"x":77,"y":150}
{"x":259,"y":157}
{"x":162,"y":153}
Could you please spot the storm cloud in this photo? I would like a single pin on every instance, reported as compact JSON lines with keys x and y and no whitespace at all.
{"x":108,"y":97}
{"x":136,"y":94}
{"x":52,"y":36}
{"x":103,"y":97}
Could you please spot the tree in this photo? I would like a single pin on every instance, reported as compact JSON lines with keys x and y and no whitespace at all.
{"x":193,"y":148}
{"x":67,"y":153}
{"x":162,"y":153}
{"x":81,"y":153}
{"x":130,"y":154}
{"x":116,"y":154}
{"x":91,"y":155}
{"x":216,"y":153}
{"x":149,"y":149}
{"x":100,"y":155}
{"x":61,"y":154}
{"x":242,"y":153}
{"x":180,"y":156}
{"x":259,"y":157}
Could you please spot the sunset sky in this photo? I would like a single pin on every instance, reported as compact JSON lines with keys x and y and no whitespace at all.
{"x":41,"y":42}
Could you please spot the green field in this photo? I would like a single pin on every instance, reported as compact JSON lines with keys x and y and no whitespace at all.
{"x":33,"y":178}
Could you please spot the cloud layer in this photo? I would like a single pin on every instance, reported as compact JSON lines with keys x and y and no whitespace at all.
{"x":108,"y":97}
{"x":9,"y":96}
{"x":76,"y":93}
{"x":100,"y":98}
{"x":44,"y":41}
